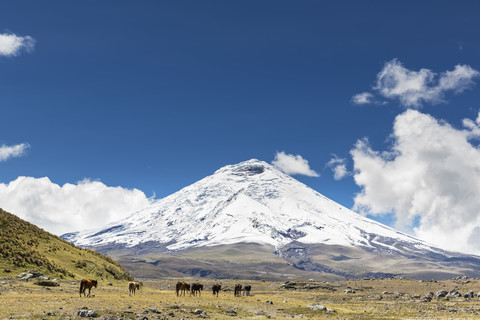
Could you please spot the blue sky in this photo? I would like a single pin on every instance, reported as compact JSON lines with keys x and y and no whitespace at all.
{"x":155,"y":95}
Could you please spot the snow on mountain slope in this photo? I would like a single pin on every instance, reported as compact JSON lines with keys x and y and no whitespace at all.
{"x":248,"y":202}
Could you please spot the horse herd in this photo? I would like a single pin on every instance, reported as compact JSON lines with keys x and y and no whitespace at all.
{"x":181,"y":288}
{"x":195,"y":288}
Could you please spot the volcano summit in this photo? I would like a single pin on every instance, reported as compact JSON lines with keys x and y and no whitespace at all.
{"x":254,"y":212}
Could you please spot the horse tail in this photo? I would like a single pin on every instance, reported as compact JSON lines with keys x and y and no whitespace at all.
{"x":81,"y":287}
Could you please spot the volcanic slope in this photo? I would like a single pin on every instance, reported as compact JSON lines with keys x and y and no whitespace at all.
{"x":25,"y":247}
{"x":250,"y":216}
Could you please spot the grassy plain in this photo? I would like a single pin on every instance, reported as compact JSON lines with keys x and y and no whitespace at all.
{"x":372,"y":300}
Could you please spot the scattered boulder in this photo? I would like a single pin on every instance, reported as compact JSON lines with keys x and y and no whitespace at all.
{"x":441,"y":294}
{"x":154,"y":310}
{"x":454,"y":294}
{"x":30,"y":275}
{"x":317,"y":307}
{"x":269,"y":302}
{"x":349,"y":290}
{"x":231,"y":313}
{"x":200,"y":313}
{"x":47,"y":283}
{"x":36,"y":274}
{"x":469,"y":295}
{"x":87,"y":314}
{"x":429,"y":295}
{"x":25,"y":275}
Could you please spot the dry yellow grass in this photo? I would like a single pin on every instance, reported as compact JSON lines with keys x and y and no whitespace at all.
{"x":373,"y":299}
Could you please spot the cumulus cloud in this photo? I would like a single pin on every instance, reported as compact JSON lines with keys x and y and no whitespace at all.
{"x":293,"y":164}
{"x":12,"y":45}
{"x":71,"y":207}
{"x":7,"y":152}
{"x":363,"y":98}
{"x":429,"y":178}
{"x":339,"y":167}
{"x":413,"y":88}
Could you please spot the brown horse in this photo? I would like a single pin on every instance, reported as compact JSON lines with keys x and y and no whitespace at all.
{"x":87,"y":284}
{"x":237,"y":292}
{"x":196,"y":288}
{"x":216,"y":288}
{"x":181,"y":287}
{"x":246,"y":290}
{"x":132,"y":286}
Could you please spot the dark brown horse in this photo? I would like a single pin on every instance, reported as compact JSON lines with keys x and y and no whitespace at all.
{"x":196,"y":288}
{"x":87,"y":284}
{"x":247,"y":290}
{"x":181,"y":287}
{"x":237,"y":291}
{"x":216,"y":289}
{"x":132,"y":286}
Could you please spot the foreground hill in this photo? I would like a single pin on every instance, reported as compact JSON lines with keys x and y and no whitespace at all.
{"x":24,"y":246}
{"x":250,"y":220}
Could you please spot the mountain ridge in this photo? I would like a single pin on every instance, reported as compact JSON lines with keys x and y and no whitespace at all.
{"x":236,"y":196}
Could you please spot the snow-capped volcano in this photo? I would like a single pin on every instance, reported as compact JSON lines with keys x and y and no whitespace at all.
{"x":249,"y":202}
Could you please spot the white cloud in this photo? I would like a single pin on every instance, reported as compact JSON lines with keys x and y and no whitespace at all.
{"x":71,"y":207}
{"x":430,"y":177}
{"x":363,"y":98}
{"x":413,"y":88}
{"x":7,"y":152}
{"x":11,"y":44}
{"x":339,"y":167}
{"x":457,"y":80}
{"x":293,"y":164}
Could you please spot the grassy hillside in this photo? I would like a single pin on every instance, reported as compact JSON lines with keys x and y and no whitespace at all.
{"x":24,"y":247}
